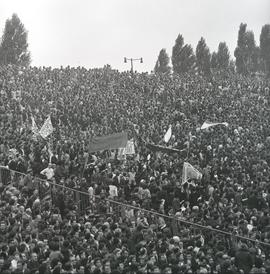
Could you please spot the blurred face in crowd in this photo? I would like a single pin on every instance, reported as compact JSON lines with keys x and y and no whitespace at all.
{"x":98,"y":264}
{"x":121,"y":266}
{"x":17,"y":257}
{"x":2,"y":226}
{"x":34,"y":257}
{"x":163,"y":257}
{"x":118,"y":254}
{"x":156,"y":270}
{"x":1,"y":262}
{"x":152,"y":260}
{"x":19,"y":265}
{"x":133,"y":260}
{"x":81,"y":270}
{"x":23,"y":256}
{"x":72,"y":259}
{"x":107,"y":267}
{"x":168,"y":270}
{"x":125,"y":254}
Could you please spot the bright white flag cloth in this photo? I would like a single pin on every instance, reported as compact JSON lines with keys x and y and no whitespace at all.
{"x":168,"y":135}
{"x":190,"y":172}
{"x":207,"y":124}
{"x":47,"y":128}
{"x":130,"y":148}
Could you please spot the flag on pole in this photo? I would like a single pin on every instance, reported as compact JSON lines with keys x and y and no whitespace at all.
{"x":207,"y":125}
{"x":34,"y":126}
{"x":190,"y":172}
{"x":168,"y":135}
{"x":46,"y":129}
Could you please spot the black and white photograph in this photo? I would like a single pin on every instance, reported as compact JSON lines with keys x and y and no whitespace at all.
{"x":134,"y":137}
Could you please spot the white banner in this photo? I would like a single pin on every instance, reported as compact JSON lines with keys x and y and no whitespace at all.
{"x":190,"y":172}
{"x":47,"y":128}
{"x":208,"y":124}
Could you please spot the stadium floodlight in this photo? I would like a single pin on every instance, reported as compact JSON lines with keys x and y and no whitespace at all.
{"x":131,"y":61}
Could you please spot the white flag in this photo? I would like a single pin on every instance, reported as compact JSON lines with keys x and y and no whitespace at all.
{"x":168,"y":135}
{"x":130,"y":148}
{"x":190,"y":172}
{"x":46,"y":129}
{"x":207,"y":125}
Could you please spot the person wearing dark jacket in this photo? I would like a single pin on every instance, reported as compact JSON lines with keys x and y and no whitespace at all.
{"x":243,"y":259}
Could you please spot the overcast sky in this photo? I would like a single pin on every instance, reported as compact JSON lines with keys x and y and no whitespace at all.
{"x":94,"y":33}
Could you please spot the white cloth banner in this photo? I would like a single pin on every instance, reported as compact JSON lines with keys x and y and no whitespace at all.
{"x":130,"y":148}
{"x":207,"y":124}
{"x":190,"y":172}
{"x":168,"y":135}
{"x":47,"y":128}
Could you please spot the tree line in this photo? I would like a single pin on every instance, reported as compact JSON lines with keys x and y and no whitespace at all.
{"x":249,"y":58}
{"x":14,"y":45}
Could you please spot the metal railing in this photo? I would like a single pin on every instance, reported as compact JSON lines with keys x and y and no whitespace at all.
{"x":109,"y":207}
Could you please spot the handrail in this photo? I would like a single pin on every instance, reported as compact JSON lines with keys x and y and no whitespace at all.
{"x":150,"y":211}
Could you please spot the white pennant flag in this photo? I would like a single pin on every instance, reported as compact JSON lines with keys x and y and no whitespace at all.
{"x":46,"y":129}
{"x":207,"y":125}
{"x":190,"y":172}
{"x":168,"y":135}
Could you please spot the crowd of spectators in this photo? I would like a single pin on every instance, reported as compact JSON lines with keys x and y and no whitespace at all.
{"x":55,"y":236}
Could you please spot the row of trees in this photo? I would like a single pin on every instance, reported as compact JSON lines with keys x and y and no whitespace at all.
{"x":249,"y":58}
{"x":14,"y":45}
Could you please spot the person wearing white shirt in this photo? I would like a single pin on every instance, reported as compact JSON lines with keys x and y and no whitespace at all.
{"x":48,"y":172}
{"x":113,"y":191}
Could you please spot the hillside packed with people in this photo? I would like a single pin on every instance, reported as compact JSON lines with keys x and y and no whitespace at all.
{"x":57,"y":236}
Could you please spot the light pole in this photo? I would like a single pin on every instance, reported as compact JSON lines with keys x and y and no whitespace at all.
{"x":131,"y":62}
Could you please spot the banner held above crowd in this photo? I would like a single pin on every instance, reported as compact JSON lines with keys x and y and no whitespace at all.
{"x":113,"y":141}
{"x":209,"y":124}
{"x":190,"y":172}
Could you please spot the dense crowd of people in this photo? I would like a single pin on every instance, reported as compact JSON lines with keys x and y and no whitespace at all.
{"x":56,"y":236}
